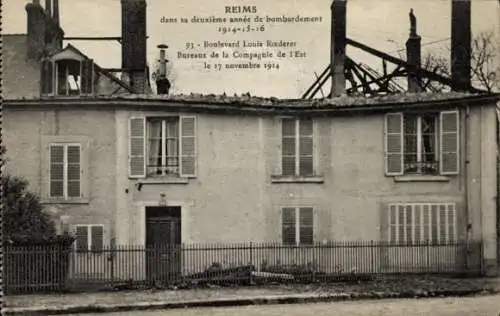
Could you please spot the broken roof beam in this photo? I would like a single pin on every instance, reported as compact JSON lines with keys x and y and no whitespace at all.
{"x":400,"y":62}
{"x":318,"y":80}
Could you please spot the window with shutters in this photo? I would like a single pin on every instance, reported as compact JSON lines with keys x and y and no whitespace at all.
{"x":89,"y":238}
{"x":65,"y":171}
{"x":297,"y":153}
{"x":297,"y":226}
{"x":422,"y":143}
{"x":67,"y":77}
{"x":412,"y":223}
{"x":162,"y":146}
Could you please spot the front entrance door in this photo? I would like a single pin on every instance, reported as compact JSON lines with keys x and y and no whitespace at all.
{"x":163,"y":241}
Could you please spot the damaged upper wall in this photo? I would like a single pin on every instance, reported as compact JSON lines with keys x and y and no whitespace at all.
{"x":36,"y":64}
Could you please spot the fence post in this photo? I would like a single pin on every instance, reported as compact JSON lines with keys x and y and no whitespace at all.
{"x":252,"y":281}
{"x":111,"y":259}
{"x":251,"y":253}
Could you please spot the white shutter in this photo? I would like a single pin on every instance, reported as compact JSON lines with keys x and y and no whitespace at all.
{"x":288,"y":147}
{"x":97,"y":238}
{"x":187,"y":146}
{"x":306,"y":219}
{"x":306,"y":150}
{"x":74,"y":171}
{"x":137,"y":147}
{"x":288,"y":226}
{"x":394,"y":144}
{"x":82,"y":238}
{"x":56,"y":171}
{"x":449,"y":143}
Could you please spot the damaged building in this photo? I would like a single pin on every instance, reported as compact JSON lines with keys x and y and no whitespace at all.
{"x":115,"y":162}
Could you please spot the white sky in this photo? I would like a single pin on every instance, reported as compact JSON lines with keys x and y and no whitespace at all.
{"x":382,"y":24}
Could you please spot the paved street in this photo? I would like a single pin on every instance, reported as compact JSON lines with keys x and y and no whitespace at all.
{"x":478,"y":306}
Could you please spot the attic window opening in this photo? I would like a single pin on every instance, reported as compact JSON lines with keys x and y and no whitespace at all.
{"x":68,"y":77}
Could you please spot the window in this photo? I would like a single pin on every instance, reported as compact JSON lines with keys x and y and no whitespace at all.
{"x":89,"y":238}
{"x":67,"y":77}
{"x":297,"y":226}
{"x":297,"y":157}
{"x":65,"y":171}
{"x":162,"y":146}
{"x":422,"y":143}
{"x":422,"y":222}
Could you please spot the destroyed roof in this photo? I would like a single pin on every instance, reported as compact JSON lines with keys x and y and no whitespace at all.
{"x":97,"y":67}
{"x":253,"y":104}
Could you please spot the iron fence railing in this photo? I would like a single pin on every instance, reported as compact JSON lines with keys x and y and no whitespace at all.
{"x":36,"y":268}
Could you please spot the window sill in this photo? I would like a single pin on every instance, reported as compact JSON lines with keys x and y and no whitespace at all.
{"x":297,"y":179}
{"x":164,"y":181}
{"x":417,"y":178}
{"x":60,"y":201}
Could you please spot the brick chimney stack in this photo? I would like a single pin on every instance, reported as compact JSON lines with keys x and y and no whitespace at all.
{"x":337,"y":49}
{"x":413,"y":55}
{"x":44,"y":32}
{"x":461,"y":45}
{"x":134,"y":45}
{"x":55,"y":14}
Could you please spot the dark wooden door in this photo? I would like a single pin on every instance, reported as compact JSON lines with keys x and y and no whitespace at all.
{"x":163,"y":240}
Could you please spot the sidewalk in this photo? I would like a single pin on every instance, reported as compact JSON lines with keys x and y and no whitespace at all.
{"x":232,"y":296}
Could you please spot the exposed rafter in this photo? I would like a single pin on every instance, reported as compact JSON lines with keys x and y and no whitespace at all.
{"x":359,"y":75}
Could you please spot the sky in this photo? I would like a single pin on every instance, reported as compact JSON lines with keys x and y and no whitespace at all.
{"x":382,"y":24}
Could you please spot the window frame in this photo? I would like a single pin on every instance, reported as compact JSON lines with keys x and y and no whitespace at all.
{"x":164,"y":148}
{"x":419,"y":149}
{"x":90,"y":242}
{"x":297,"y":170}
{"x":65,"y":196}
{"x":298,"y":226}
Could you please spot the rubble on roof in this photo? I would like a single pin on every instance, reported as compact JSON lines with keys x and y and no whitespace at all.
{"x":344,"y":100}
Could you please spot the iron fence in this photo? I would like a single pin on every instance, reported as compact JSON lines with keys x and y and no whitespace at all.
{"x":50,"y":268}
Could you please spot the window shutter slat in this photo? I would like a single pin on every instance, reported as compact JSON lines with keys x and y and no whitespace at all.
{"x":47,"y":77}
{"x":97,"y":238}
{"x":87,"y":76}
{"x":137,"y":147}
{"x":56,"y":171}
{"x":449,"y":143}
{"x":306,"y":225}
{"x":74,"y":171}
{"x":288,"y":226}
{"x":188,"y":146}
{"x":394,"y":144}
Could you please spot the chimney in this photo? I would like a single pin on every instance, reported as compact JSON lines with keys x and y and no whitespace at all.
{"x":162,"y":82}
{"x":413,"y":56}
{"x":44,"y":33}
{"x":461,"y":45}
{"x":55,"y":14}
{"x":36,"y":29}
{"x":338,"y":43}
{"x":134,"y":44}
